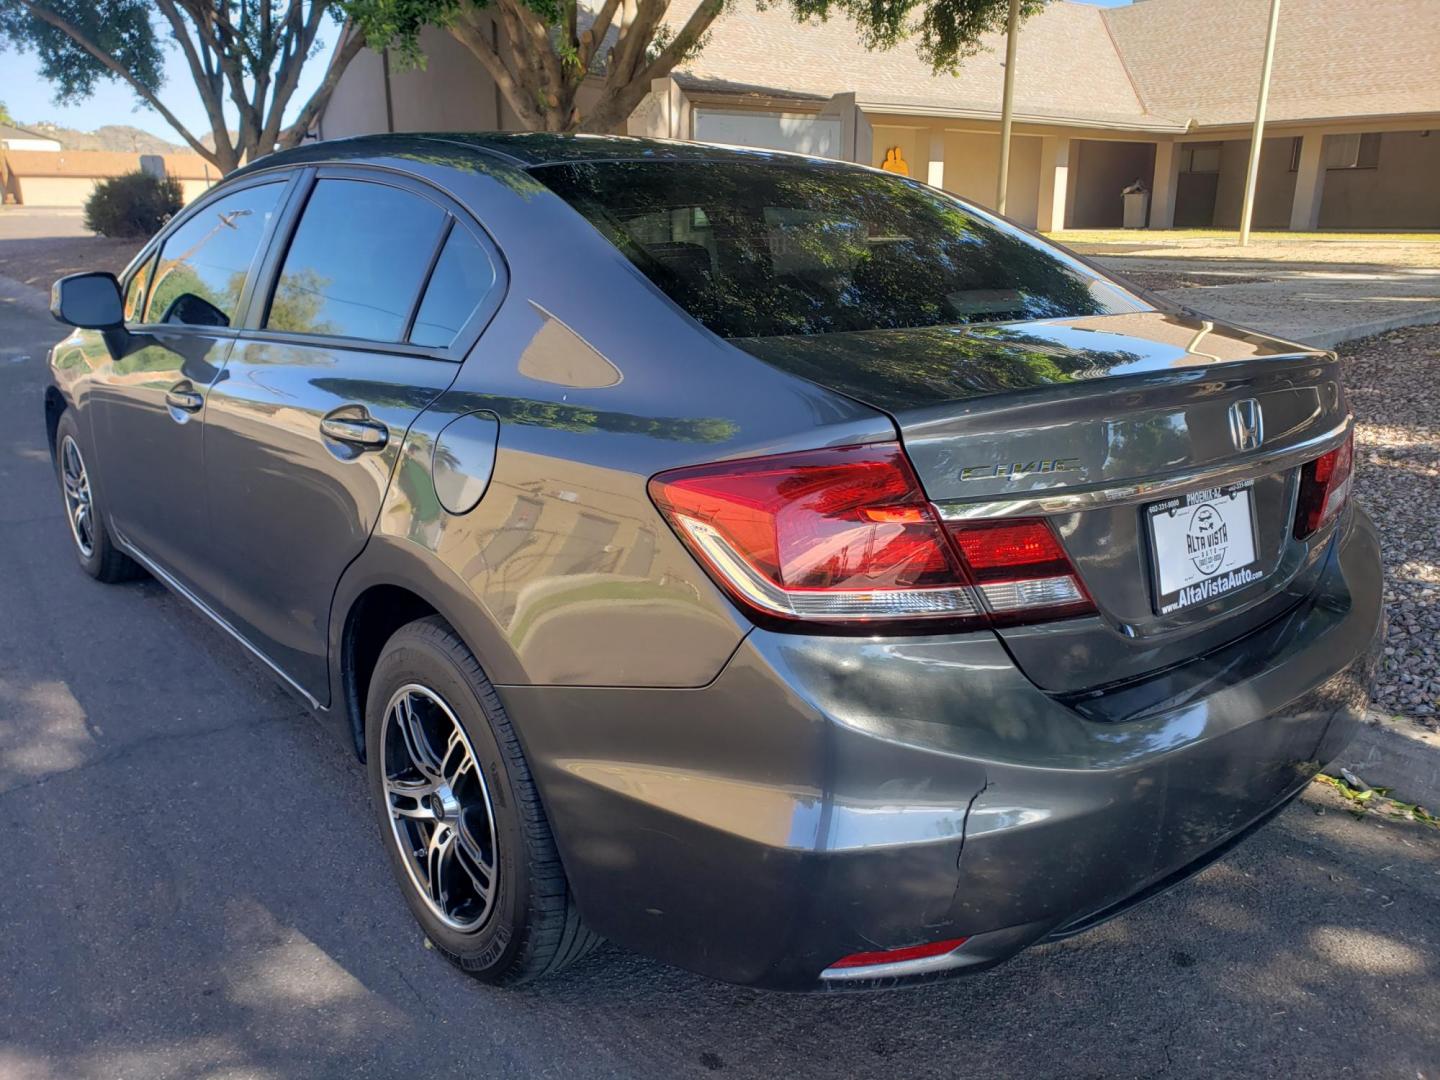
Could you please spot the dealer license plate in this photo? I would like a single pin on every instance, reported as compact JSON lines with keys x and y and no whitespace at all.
{"x":1202,"y":546}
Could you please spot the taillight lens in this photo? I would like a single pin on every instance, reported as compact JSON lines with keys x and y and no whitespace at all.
{"x":847,"y":535}
{"x":1020,"y":569}
{"x":1324,"y":488}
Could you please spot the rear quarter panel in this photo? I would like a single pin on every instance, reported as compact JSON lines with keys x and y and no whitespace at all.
{"x":598,"y":382}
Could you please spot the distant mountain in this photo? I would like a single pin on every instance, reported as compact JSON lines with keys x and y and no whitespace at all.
{"x":121,"y":137}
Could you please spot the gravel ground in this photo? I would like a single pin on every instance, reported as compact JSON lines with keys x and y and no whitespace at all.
{"x":1394,"y":382}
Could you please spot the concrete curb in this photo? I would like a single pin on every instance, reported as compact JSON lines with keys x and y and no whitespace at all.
{"x":1395,"y":754}
{"x":1362,"y":330}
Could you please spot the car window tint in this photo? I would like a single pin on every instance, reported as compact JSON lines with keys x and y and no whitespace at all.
{"x":203,"y":263}
{"x":357,"y":261}
{"x":135,"y":290}
{"x":762,"y":247}
{"x":463,"y":277}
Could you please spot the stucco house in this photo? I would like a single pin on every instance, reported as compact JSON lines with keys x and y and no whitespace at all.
{"x":1162,"y":91}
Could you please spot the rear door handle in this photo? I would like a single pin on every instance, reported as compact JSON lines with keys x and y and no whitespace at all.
{"x":366,"y":434}
{"x":185,"y":397}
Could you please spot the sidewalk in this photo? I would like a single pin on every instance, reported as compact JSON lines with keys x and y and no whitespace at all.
{"x":1317,"y":304}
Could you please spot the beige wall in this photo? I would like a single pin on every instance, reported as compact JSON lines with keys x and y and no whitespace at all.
{"x":1402,"y":192}
{"x":74,"y":190}
{"x":1274,"y":191}
{"x":451,"y":93}
{"x":1099,"y":171}
{"x":972,"y":162}
{"x":914,"y":146}
{"x":55,"y":190}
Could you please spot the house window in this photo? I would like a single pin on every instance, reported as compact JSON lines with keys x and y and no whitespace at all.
{"x":1352,"y":151}
{"x":1200,"y":157}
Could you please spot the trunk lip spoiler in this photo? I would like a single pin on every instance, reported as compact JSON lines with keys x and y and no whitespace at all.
{"x":1135,"y":491}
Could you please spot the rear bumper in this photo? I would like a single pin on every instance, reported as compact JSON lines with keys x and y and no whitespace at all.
{"x":826,"y":796}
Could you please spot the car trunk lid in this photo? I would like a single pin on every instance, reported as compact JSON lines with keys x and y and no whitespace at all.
{"x":1091,"y":422}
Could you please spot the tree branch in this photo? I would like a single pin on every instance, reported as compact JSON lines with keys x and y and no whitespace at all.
{"x":209,"y":94}
{"x":350,"y":45}
{"x":114,"y":66}
{"x":596,"y":33}
{"x":471,"y":33}
{"x":620,"y":97}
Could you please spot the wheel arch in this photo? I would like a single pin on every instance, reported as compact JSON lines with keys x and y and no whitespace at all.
{"x":391,"y":584}
{"x":55,"y":406}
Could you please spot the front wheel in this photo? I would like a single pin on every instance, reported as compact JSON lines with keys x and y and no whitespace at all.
{"x":460,"y":815}
{"x":98,"y":556}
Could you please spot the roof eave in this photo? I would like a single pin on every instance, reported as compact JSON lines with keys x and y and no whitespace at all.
{"x":1154,"y":124}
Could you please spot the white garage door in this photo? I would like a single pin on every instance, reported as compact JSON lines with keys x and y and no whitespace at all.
{"x":801,"y":133}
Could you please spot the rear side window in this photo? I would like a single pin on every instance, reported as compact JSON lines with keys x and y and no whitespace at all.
{"x":357,"y":262}
{"x":763,"y":247}
{"x":463,"y":277}
{"x":204,"y":262}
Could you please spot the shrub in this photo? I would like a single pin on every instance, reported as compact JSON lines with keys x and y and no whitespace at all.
{"x":135,"y":204}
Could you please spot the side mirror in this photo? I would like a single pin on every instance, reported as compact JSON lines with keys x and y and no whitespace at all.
{"x":90,"y":301}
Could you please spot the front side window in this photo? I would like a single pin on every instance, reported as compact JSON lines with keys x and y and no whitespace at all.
{"x":135,"y":290}
{"x":357,"y":262}
{"x":763,"y":248}
{"x":463,"y":277}
{"x":204,"y":262}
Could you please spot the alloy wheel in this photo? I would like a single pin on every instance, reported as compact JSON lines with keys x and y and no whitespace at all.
{"x":79,"y":505}
{"x":439,"y":807}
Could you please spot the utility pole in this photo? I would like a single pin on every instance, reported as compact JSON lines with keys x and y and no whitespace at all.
{"x":1252,"y":173}
{"x":1007,"y":107}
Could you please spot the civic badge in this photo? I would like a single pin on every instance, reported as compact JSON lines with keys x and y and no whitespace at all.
{"x":1247,"y":425}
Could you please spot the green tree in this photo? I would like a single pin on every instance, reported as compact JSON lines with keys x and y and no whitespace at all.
{"x":245,"y":57}
{"x":5,"y":117}
{"x":540,"y":51}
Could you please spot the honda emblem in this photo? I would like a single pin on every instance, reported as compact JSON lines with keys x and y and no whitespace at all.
{"x":1247,"y":425}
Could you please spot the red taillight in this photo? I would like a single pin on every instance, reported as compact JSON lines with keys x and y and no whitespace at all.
{"x":1324,"y":488}
{"x":846,"y":535}
{"x":1020,"y":569}
{"x":896,"y":956}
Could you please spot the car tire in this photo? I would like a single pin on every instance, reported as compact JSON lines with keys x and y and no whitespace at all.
{"x":426,"y":684}
{"x":84,"y":515}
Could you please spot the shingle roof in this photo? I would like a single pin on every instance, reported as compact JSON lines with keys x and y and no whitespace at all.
{"x":1155,"y":65}
{"x":1067,"y":66}
{"x":1333,"y":58}
{"x":10,"y":131}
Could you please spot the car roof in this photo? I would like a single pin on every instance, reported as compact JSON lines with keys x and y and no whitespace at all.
{"x":523,"y":150}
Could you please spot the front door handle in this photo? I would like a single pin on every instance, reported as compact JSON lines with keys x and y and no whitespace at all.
{"x":365,"y":434}
{"x":185,"y":397}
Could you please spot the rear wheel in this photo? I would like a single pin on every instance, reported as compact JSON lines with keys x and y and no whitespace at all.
{"x":460,"y":816}
{"x":98,"y":557}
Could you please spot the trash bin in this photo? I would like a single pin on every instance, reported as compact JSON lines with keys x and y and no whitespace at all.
{"x":1137,"y":205}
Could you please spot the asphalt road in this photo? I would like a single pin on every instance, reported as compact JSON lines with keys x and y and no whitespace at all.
{"x":191,"y":885}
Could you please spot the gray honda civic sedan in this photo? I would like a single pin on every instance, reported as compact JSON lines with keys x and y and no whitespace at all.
{"x":780,"y":567}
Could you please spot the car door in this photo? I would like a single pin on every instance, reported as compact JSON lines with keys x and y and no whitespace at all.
{"x":148,"y":402}
{"x":366,"y":313}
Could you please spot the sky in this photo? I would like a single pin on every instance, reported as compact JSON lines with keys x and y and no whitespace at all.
{"x":29,"y":98}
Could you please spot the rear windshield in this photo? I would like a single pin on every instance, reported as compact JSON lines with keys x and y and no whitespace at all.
{"x":761,"y":248}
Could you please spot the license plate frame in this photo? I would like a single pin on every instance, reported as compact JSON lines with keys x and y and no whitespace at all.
{"x":1203,"y":545}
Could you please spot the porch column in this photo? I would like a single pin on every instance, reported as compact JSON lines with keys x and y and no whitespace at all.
{"x":1167,"y":179}
{"x":935,"y":173}
{"x":1054,"y":183}
{"x":1309,"y":183}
